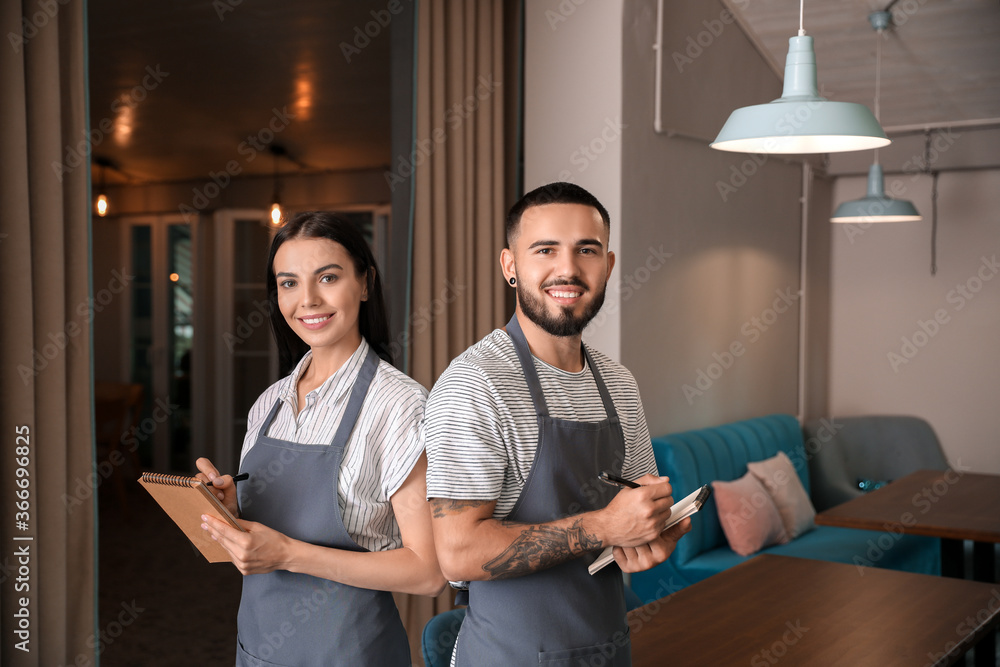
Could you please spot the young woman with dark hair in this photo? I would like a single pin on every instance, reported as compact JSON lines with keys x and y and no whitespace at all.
{"x":335,"y":506}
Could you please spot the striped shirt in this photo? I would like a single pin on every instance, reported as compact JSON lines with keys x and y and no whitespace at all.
{"x":481,"y":432}
{"x":380,"y":452}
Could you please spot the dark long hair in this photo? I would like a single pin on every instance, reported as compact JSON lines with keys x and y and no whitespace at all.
{"x":372,"y":320}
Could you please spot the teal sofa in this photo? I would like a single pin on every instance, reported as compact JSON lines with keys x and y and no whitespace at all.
{"x":699,"y":457}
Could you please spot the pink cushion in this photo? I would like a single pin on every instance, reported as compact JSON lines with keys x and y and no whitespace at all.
{"x":748,"y":515}
{"x":778,"y":476}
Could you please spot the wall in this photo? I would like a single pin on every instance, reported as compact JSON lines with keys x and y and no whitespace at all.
{"x":573,"y":118}
{"x":908,"y":342}
{"x":712,"y":332}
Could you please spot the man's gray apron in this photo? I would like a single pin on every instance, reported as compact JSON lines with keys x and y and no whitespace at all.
{"x":561,"y":615}
{"x":288,"y":618}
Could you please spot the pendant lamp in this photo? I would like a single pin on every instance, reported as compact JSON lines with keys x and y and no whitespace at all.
{"x":801,"y":121}
{"x":875,"y":206}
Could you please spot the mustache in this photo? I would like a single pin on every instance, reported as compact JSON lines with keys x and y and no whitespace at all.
{"x":574,"y":282}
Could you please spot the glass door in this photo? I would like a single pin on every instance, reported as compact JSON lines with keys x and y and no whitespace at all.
{"x":160,"y":326}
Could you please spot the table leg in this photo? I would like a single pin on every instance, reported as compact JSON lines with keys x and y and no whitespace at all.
{"x":984,"y":569}
{"x":952,"y":558}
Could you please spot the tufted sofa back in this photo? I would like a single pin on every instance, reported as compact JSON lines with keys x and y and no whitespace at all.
{"x":693,"y":458}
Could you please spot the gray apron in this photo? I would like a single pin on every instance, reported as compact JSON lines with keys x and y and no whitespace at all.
{"x":561,"y":615}
{"x":289,"y":618}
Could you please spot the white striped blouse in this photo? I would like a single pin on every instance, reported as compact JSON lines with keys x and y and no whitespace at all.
{"x":380,"y":453}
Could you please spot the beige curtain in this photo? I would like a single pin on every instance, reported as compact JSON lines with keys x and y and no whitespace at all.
{"x":458,"y":294}
{"x":45,"y":392}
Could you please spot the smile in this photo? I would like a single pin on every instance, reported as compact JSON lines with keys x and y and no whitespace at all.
{"x":314,"y":320}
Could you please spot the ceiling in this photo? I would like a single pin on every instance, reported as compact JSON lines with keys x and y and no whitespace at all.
{"x":940,"y":59}
{"x":223,"y":67}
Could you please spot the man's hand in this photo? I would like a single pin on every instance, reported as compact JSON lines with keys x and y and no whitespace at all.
{"x":222,"y":485}
{"x":651,"y":554}
{"x":635,"y":517}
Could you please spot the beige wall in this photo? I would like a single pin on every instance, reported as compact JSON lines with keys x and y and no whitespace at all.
{"x":712,"y":335}
{"x":572,"y":117}
{"x":946,"y":363}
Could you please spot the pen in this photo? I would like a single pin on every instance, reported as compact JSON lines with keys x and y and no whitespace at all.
{"x":236,"y":478}
{"x":611,"y":478}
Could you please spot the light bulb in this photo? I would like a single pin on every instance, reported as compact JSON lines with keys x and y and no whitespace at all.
{"x":102,"y":205}
{"x":275,"y":214}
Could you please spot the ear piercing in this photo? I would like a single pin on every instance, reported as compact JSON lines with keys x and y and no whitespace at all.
{"x":512,"y":281}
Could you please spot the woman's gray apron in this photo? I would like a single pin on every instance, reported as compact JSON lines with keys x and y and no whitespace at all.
{"x":288,"y":618}
{"x":561,"y":615}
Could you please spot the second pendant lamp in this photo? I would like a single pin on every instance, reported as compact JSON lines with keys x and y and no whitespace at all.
{"x":875,"y":206}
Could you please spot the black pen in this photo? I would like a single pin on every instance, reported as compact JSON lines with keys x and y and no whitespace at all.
{"x":236,"y":478}
{"x":611,"y":478}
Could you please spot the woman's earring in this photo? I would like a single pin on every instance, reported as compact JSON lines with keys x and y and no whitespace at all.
{"x":512,"y":281}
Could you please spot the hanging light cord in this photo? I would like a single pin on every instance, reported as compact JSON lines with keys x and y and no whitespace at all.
{"x":878,"y":79}
{"x":802,"y":7}
{"x":934,"y":199}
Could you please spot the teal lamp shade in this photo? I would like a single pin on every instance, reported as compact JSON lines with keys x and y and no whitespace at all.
{"x":875,"y":206}
{"x":801,"y":121}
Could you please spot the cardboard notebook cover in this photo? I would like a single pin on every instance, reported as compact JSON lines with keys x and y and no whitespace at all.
{"x":185,"y":499}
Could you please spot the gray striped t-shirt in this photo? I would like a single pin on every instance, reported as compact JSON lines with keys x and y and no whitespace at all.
{"x":481,"y":432}
{"x":380,"y":453}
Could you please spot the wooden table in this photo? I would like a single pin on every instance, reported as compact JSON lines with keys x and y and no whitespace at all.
{"x":796,"y":611}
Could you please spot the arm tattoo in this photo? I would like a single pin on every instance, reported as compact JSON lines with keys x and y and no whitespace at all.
{"x":442,"y":507}
{"x":539,"y":547}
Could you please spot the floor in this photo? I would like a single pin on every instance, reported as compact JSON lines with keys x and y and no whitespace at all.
{"x":161,"y":602}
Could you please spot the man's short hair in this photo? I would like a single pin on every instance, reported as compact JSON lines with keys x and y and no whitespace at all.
{"x":553,"y":193}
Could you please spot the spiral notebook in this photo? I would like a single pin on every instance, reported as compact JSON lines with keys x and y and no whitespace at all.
{"x":185,"y":499}
{"x":679,"y":511}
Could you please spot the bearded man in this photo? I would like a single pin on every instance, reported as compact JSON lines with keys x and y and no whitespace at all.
{"x":517,"y":431}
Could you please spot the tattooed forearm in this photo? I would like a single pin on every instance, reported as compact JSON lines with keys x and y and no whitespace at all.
{"x":540,"y":547}
{"x":442,"y":507}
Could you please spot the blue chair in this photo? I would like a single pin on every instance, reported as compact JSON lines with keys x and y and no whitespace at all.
{"x":439,"y":635}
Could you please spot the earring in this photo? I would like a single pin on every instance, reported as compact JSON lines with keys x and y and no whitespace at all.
{"x":512,"y":281}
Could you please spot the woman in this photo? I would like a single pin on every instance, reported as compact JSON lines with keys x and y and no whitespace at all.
{"x":334,"y":508}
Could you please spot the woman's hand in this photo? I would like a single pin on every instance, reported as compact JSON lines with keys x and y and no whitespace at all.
{"x":257,"y":551}
{"x":223,"y":485}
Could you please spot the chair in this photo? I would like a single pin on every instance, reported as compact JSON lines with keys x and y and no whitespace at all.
{"x":438,"y":638}
{"x":117,"y":409}
{"x":843,"y":451}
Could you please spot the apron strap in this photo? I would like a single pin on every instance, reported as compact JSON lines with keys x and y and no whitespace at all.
{"x":609,"y":406}
{"x":270,"y":418}
{"x":357,"y":399}
{"x":527,"y":366}
{"x":531,"y":375}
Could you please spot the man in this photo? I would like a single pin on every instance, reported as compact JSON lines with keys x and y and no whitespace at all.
{"x":517,"y":429}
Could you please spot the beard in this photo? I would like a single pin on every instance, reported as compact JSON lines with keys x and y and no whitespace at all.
{"x":565,"y":323}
